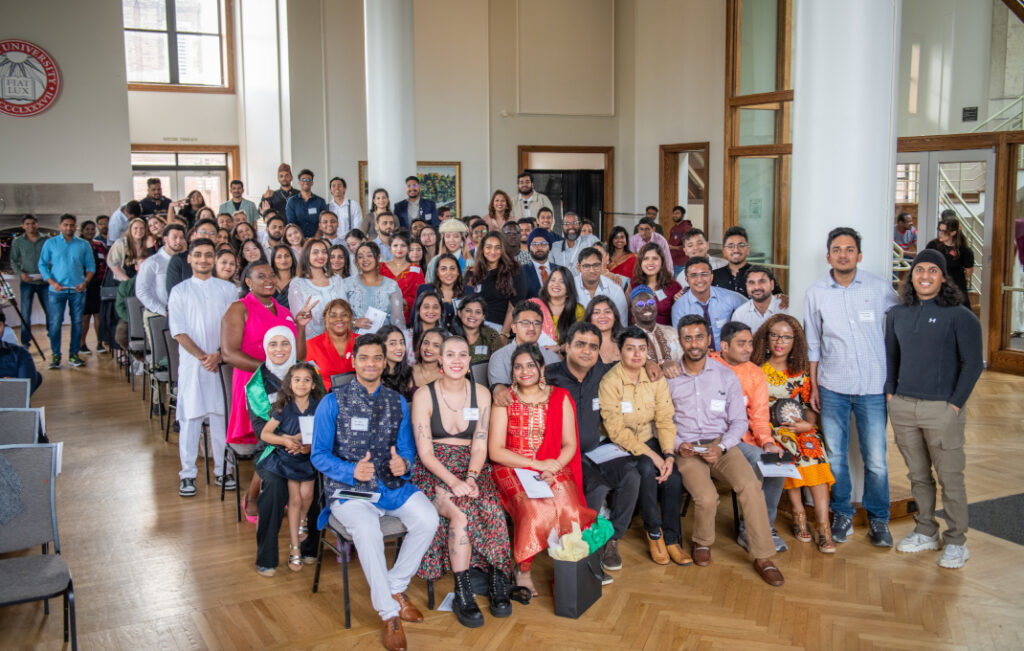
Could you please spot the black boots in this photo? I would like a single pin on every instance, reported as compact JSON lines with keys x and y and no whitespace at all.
{"x":464,"y":606}
{"x":497,"y":593}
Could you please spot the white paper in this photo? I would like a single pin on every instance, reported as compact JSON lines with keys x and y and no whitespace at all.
{"x":778,"y":469}
{"x":699,"y":449}
{"x":606,"y":452}
{"x":534,"y":486}
{"x":446,"y":603}
{"x":306,"y":427}
{"x":545,"y":340}
{"x":35,"y":276}
{"x":60,"y":455}
{"x":377,"y":319}
{"x":627,"y":407}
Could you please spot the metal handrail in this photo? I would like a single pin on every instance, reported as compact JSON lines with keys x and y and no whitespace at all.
{"x":1019,"y":100}
{"x":956,"y":193}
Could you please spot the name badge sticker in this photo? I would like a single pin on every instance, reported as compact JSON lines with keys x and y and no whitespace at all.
{"x":311,"y":211}
{"x":596,"y":405}
{"x":867,"y":316}
{"x":471,"y":413}
{"x":360,"y":424}
{"x":718,"y":405}
{"x":660,"y":295}
{"x":480,"y":350}
{"x":627,"y":407}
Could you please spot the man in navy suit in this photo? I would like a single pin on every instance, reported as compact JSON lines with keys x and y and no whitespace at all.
{"x":413,"y":208}
{"x":539,"y":243}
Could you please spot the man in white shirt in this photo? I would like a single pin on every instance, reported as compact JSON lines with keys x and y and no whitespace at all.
{"x":696,"y":245}
{"x":195,"y":307}
{"x":528,"y":202}
{"x":591,"y":283}
{"x":526,"y":329}
{"x":762,"y":304}
{"x":567,"y":251}
{"x":349,"y":214}
{"x":238,"y":203}
{"x":151,"y":281}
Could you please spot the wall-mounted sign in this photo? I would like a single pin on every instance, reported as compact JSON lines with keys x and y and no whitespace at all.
{"x":29,"y":79}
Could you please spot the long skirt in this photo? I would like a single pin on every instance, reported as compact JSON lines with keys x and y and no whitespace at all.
{"x":488,"y":533}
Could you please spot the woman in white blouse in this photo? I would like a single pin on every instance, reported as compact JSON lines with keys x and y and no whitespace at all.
{"x":368,"y":288}
{"x":315,"y":280}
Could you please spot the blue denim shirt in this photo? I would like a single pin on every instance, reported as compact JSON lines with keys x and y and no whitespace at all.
{"x":66,"y":262}
{"x":305,"y":213}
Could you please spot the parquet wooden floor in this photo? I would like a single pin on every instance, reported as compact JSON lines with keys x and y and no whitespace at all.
{"x":155,"y":571}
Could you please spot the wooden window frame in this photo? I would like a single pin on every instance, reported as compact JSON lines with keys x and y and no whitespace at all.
{"x":232,"y":151}
{"x":668,"y":175}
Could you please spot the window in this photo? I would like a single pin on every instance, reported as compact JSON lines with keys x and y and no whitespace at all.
{"x":181,"y":172}
{"x":177,"y":44}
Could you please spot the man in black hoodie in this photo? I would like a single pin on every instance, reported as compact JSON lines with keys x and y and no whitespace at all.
{"x":934,"y":358}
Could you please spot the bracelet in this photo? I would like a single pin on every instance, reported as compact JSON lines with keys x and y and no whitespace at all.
{"x":472,"y":474}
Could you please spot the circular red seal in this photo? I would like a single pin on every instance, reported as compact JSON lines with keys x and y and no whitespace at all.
{"x":29,"y":79}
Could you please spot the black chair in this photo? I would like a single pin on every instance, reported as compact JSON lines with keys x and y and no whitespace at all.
{"x":172,"y":379}
{"x":15,"y":392}
{"x":479,"y":373}
{"x":35,"y":577}
{"x":342,"y":378}
{"x":234,"y":451}
{"x":159,"y":376}
{"x":136,"y":337}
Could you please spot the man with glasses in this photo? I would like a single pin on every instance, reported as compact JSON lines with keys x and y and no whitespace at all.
{"x":528,"y":203}
{"x":735,"y":248}
{"x":567,"y":252}
{"x":714,"y":304}
{"x":540,"y":266}
{"x":526,"y":324}
{"x":415,"y":207}
{"x":305,"y":207}
{"x":510,"y":235}
{"x":591,"y":283}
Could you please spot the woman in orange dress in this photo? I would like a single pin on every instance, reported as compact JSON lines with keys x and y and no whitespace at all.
{"x":537,"y":431}
{"x":408,"y":276}
{"x":621,"y":260}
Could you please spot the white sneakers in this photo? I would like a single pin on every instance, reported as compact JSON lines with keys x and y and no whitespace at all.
{"x":953,"y":556}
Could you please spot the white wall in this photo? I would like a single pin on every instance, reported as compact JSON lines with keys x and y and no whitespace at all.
{"x":182,"y":118}
{"x":83,"y":136}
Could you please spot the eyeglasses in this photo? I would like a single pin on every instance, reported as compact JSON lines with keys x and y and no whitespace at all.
{"x":786,"y":339}
{"x":590,"y":266}
{"x":699,"y":274}
{"x":514,"y":230}
{"x":539,"y":243}
{"x":570,"y":223}
{"x":736,"y":246}
{"x":529,"y":324}
{"x":305,"y":179}
{"x":648,"y":303}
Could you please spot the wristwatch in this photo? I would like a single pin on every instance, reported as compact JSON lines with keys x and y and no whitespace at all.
{"x":724,"y":449}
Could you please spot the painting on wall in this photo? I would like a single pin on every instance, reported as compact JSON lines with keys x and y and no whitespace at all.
{"x":440,"y":181}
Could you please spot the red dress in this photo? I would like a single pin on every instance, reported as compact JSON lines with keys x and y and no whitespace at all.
{"x":625,"y":268}
{"x":535,"y":431}
{"x":408,"y":282}
{"x":321,"y":351}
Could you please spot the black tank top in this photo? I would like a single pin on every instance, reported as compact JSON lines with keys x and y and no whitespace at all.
{"x":437,"y":429}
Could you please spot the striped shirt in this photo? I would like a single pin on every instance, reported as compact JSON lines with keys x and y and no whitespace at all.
{"x":844,"y":327}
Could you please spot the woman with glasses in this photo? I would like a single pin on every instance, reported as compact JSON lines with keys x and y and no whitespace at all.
{"x":654,"y":271}
{"x":780,"y":349}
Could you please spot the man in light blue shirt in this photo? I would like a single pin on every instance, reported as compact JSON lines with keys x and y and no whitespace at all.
{"x":67,"y":264}
{"x":844,"y":318}
{"x":118,"y":223}
{"x":715,"y":304}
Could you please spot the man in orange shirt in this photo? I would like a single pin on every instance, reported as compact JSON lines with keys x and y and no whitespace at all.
{"x":737,"y":344}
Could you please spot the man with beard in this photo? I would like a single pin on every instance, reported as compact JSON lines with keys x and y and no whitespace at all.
{"x":675,"y":239}
{"x":273,"y":234}
{"x":567,"y":252}
{"x":385,"y":229}
{"x":762,"y":304}
{"x":526,"y":226}
{"x":329,"y":228}
{"x":415,"y":207}
{"x":238,"y":202}
{"x":528,"y":203}
{"x":540,"y":266}
{"x":276,"y":200}
{"x":733,"y":276}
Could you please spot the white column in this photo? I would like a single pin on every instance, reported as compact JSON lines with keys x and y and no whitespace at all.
{"x":390,"y":95}
{"x":844,"y":133}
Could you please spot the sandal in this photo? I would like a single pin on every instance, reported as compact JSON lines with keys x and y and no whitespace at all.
{"x":800,"y":529}
{"x":825,"y":543}
{"x":294,"y":558}
{"x":303,"y":529}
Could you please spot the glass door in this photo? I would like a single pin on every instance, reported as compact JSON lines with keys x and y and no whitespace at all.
{"x":1009,"y":351}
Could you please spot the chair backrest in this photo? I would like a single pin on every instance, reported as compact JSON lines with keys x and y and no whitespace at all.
{"x":172,"y":356}
{"x":27,"y":514}
{"x":15,"y":392}
{"x":227,"y":373}
{"x":479,"y":372}
{"x":135,"y":326}
{"x":21,"y":426}
{"x":342,"y":378}
{"x":157,"y":325}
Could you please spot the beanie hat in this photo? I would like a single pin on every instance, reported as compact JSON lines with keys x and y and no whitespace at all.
{"x":638,"y":290}
{"x":932,"y":256}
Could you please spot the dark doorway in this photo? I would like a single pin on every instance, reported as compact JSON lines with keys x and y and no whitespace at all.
{"x":579,"y":191}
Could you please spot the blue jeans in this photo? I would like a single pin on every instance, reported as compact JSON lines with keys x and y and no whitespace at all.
{"x":41,"y":293}
{"x":870,"y":414}
{"x":75,"y":301}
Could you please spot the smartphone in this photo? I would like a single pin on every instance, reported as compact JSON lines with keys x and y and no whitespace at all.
{"x":771,"y":457}
{"x":350,"y":494}
{"x":699,"y":449}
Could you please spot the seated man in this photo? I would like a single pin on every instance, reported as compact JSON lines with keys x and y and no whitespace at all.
{"x":16,"y":361}
{"x":636,"y":412}
{"x":526,"y":329}
{"x":737,"y":346}
{"x":617,"y":479}
{"x":362,"y":441}
{"x":710,"y":419}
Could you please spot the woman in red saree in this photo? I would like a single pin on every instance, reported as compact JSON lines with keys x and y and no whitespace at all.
{"x":537,"y":431}
{"x":620,"y":259}
{"x":408,"y":276}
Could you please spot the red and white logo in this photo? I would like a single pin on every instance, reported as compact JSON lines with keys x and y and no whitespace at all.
{"x":29,"y":79}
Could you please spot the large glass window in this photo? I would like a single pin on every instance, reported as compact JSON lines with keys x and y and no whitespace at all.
{"x":177,"y":42}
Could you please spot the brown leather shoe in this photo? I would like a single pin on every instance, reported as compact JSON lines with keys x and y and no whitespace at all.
{"x":407,"y":611}
{"x":678,"y":556}
{"x":766,"y":570}
{"x":394,"y":636}
{"x":701,"y":555}
{"x":658,"y":552}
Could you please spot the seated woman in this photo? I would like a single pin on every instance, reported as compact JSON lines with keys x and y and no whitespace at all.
{"x":427,"y":313}
{"x":408,"y":276}
{"x":603,"y":313}
{"x":538,"y":431}
{"x":781,"y":350}
{"x":331,"y":350}
{"x":558,"y":305}
{"x":397,"y":371}
{"x":368,"y":288}
{"x":452,"y":469}
{"x":483,"y":340}
{"x":428,"y":353}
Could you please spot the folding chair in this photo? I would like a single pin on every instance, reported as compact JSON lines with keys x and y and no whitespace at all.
{"x":172,"y":379}
{"x":15,"y":392}
{"x":158,"y":375}
{"x":136,"y":336}
{"x":21,"y":426}
{"x":479,"y":373}
{"x":234,"y":452}
{"x":34,"y":577}
{"x":342,"y":378}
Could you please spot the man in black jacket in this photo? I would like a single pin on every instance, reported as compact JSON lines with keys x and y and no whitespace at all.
{"x":934,"y":358}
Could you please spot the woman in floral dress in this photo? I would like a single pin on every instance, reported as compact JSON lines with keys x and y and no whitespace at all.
{"x":781,"y":350}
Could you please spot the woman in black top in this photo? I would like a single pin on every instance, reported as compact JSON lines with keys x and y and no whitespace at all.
{"x":496,"y":277}
{"x":959,"y":257}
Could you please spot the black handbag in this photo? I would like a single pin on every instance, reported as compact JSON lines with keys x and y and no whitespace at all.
{"x":577,"y":585}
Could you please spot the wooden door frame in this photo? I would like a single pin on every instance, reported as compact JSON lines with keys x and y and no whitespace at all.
{"x":668,"y":180}
{"x":523,"y":156}
{"x":232,"y":151}
{"x":1002,"y":252}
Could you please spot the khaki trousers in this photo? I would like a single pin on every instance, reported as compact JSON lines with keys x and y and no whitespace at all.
{"x":930,"y":434}
{"x":733,"y":469}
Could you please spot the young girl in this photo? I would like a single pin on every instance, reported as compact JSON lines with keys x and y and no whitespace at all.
{"x":286,"y":455}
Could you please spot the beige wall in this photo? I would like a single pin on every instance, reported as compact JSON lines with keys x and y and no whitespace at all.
{"x":182,"y":118}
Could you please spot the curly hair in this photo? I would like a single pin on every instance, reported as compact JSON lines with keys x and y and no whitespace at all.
{"x":797,"y":360}
{"x":507,"y":268}
{"x":948,"y":296}
{"x":664,"y":276}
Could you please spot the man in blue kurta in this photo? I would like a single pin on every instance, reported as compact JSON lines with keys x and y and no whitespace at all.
{"x":363,"y":444}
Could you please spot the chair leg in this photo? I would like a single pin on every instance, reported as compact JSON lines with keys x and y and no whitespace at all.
{"x":319,"y":561}
{"x":430,"y":594}
{"x":66,"y":630}
{"x":238,"y":483}
{"x":206,"y":454}
{"x":223,"y":469}
{"x":71,"y":616}
{"x":344,"y":579}
{"x":167,"y":429}
{"x":736,"y":516}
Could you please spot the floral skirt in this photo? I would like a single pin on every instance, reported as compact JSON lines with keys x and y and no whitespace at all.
{"x":809,"y":451}
{"x":488,"y":533}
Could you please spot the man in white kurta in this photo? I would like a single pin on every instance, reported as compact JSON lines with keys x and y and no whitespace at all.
{"x":194,"y":310}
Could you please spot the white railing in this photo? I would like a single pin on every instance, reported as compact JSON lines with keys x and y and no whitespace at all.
{"x":1006,"y":123}
{"x":974,"y":230}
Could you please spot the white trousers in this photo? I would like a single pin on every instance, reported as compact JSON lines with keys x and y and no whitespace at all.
{"x":362,"y":519}
{"x":188,"y":443}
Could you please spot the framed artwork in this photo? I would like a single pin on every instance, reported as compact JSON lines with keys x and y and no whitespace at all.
{"x":440,"y":181}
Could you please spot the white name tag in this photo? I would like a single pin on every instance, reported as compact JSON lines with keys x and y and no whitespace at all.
{"x":311,"y":211}
{"x":660,"y":295}
{"x":718,"y":405}
{"x":415,"y":269}
{"x":596,"y":405}
{"x":627,"y":407}
{"x":867,"y":315}
{"x":480,"y":350}
{"x":360,"y":424}
{"x":471,"y":413}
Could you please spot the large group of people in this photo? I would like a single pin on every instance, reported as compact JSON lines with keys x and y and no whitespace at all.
{"x":619,"y":372}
